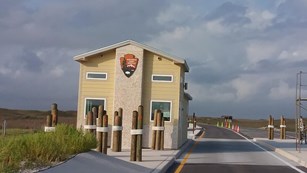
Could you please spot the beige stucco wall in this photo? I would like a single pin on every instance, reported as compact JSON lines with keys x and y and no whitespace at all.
{"x":128,"y":91}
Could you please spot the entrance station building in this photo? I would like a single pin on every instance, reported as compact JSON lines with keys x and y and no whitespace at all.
{"x":128,"y":74}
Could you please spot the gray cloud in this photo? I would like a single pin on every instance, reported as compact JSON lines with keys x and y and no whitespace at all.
{"x":243,"y":54}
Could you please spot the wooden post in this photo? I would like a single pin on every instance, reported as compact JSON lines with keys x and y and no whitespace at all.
{"x":89,"y":121}
{"x":162,"y":134}
{"x":154,"y":132}
{"x":120,"y":123}
{"x":271,"y":128}
{"x":54,"y":114}
{"x":99,"y":124}
{"x":193,"y":120}
{"x":133,"y":137}
{"x":4,"y":127}
{"x":104,"y":134}
{"x":49,"y":121}
{"x":158,"y":133}
{"x":282,"y":128}
{"x":115,"y":144}
{"x":139,"y":136}
{"x":95,"y":115}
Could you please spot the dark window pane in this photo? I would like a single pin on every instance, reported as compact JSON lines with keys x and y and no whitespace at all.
{"x":162,"y":78}
{"x":90,"y":103}
{"x":97,"y":75}
{"x":165,"y":108}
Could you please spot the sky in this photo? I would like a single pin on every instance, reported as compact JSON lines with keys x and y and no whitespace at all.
{"x":243,"y":54}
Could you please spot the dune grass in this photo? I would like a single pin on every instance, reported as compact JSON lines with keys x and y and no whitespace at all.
{"x":42,"y":149}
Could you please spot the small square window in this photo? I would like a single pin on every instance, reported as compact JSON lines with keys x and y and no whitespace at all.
{"x":96,"y":76}
{"x":164,"y":106}
{"x":162,"y":78}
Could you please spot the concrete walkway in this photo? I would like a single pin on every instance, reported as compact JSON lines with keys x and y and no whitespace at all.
{"x":286,"y":148}
{"x":153,"y":160}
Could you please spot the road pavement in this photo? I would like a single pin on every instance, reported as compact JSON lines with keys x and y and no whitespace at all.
{"x":222,"y":150}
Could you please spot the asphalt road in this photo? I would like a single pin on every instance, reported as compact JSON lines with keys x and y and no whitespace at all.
{"x":223,"y":151}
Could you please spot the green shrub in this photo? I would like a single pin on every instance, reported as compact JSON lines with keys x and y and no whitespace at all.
{"x":42,"y":149}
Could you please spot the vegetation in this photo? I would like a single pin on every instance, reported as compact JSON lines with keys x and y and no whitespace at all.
{"x":19,"y":152}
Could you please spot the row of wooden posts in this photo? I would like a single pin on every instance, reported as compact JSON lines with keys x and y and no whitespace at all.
{"x":271,"y":128}
{"x":101,"y":128}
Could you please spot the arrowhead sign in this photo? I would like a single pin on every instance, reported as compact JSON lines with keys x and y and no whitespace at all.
{"x":129,"y":64}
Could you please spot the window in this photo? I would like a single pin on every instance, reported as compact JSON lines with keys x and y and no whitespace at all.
{"x":162,"y":78}
{"x":96,"y":76}
{"x":93,"y":102}
{"x":164,"y":106}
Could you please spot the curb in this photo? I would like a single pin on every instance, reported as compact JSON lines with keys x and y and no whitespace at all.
{"x":163,"y":167}
{"x":283,"y":153}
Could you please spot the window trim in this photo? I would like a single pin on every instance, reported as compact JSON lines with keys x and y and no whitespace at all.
{"x":93,"y":98}
{"x":165,"y":101}
{"x":163,"y":75}
{"x":89,"y":78}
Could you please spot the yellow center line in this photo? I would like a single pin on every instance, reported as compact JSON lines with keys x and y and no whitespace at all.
{"x":186,"y":157}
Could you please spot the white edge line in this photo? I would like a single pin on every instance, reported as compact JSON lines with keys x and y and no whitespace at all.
{"x":287,"y":163}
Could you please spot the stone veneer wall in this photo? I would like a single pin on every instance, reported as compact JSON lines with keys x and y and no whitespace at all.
{"x":128,"y":91}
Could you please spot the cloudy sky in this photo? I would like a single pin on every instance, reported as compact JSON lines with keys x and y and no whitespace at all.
{"x":243,"y":54}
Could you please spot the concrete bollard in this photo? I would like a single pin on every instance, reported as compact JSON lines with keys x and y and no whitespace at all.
{"x":282,"y":128}
{"x":133,"y":136}
{"x":139,"y":136}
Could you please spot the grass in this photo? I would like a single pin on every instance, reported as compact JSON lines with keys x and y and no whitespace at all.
{"x":42,"y":149}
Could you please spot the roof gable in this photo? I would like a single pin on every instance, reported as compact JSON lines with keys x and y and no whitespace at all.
{"x":82,"y":57}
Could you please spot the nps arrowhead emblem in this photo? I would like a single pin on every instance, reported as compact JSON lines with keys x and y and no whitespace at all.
{"x":129,"y":64}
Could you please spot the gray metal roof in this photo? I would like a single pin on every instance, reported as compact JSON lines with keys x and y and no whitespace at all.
{"x":177,"y":60}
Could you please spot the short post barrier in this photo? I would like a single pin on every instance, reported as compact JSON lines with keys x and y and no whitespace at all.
{"x":162,"y":133}
{"x":120,"y":123}
{"x":154,"y":132}
{"x":115,"y":130}
{"x":104,"y":133}
{"x":48,"y":126}
{"x":139,"y":137}
{"x":4,"y":127}
{"x":89,"y":127}
{"x":282,"y":128}
{"x":159,"y":131}
{"x":193,"y":121}
{"x":95,"y":116}
{"x":99,"y":125}
{"x":158,"y":135}
{"x":54,"y":114}
{"x":133,"y":136}
{"x":271,"y":128}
